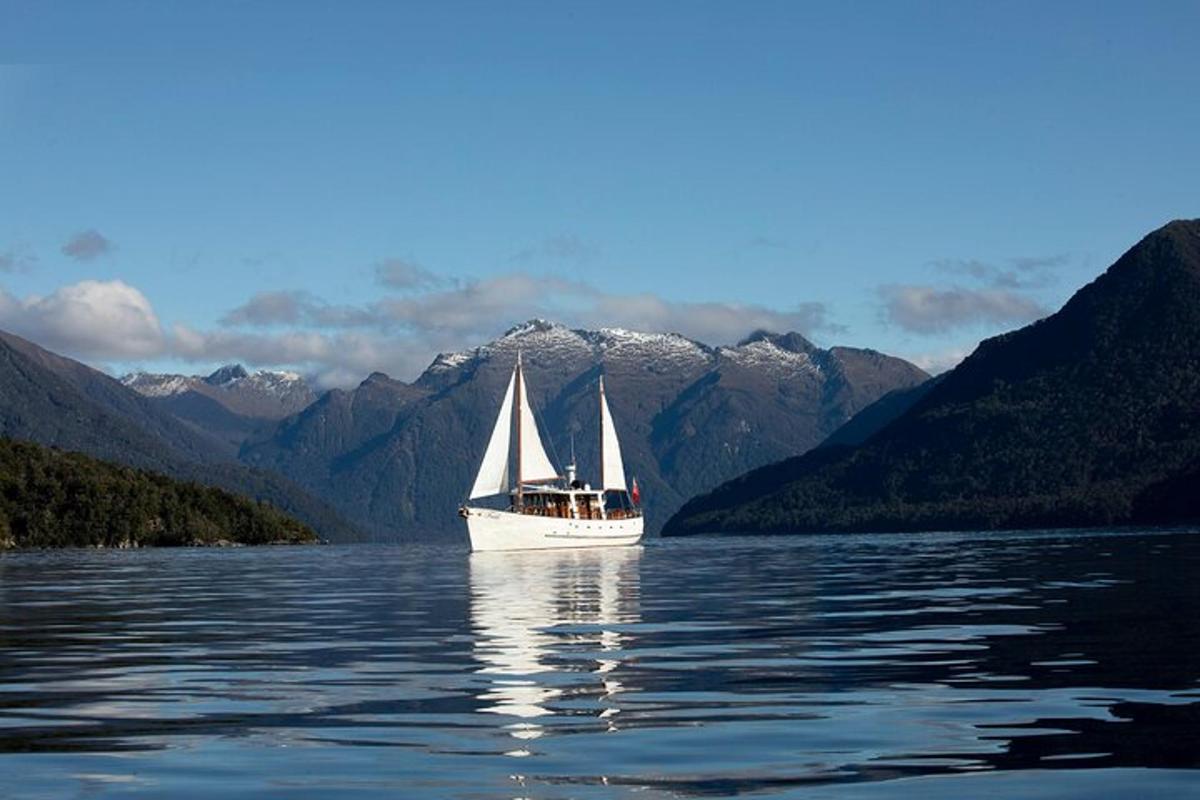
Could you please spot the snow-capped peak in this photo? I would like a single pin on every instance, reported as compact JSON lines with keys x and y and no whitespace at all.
{"x":445,"y":361}
{"x":265,"y":393}
{"x":158,"y":385}
{"x":536,"y":325}
{"x":552,"y":343}
{"x":226,"y":375}
{"x":668,"y":349}
{"x":268,"y":377}
{"x":787,"y":341}
{"x":767,"y":355}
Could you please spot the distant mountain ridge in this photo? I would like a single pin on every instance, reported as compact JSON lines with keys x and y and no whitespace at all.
{"x":398,"y":457}
{"x":55,"y":401}
{"x":265,"y":394}
{"x":230,"y":404}
{"x":1088,"y":417}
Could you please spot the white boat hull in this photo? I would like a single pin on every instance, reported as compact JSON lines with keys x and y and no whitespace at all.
{"x":506,"y":530}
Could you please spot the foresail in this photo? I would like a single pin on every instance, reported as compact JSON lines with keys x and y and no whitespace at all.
{"x":612,"y":469}
{"x":493,"y":472}
{"x":535,"y":464}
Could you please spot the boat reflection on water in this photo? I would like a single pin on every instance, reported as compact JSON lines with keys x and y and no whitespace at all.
{"x":548,"y":632}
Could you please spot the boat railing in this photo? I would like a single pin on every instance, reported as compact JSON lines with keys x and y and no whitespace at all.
{"x":556,"y":512}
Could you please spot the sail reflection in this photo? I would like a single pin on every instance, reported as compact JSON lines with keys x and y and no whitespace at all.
{"x":548,"y":630}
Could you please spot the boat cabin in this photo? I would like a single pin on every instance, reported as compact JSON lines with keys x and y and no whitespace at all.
{"x":583,"y":502}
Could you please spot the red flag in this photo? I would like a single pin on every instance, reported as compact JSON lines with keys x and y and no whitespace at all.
{"x":636,"y":493}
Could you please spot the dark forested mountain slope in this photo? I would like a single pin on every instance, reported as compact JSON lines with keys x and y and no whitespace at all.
{"x":400,"y":457}
{"x":877,"y":416}
{"x":50,"y":498}
{"x":1088,"y":417}
{"x":55,"y":401}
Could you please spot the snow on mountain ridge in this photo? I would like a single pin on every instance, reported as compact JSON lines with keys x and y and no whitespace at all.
{"x":274,"y":377}
{"x":764,"y":354}
{"x":554,"y":341}
{"x":153,"y":384}
{"x":535,"y":325}
{"x":232,"y":377}
{"x":445,"y":361}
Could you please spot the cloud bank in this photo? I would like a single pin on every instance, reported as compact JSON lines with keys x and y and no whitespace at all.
{"x":1001,"y":295}
{"x":90,"y":319}
{"x":481,"y":307}
{"x":929,"y":310}
{"x":399,"y":334}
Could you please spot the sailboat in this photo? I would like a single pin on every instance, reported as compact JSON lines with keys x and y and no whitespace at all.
{"x":548,"y":510}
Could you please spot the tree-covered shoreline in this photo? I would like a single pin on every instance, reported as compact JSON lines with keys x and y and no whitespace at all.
{"x":51,"y":498}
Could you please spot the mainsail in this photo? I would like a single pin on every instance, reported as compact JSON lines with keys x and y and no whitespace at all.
{"x":493,"y":472}
{"x":612,"y":470}
{"x":533,"y":463}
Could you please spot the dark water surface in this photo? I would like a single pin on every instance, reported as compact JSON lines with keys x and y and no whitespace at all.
{"x":1030,"y":665}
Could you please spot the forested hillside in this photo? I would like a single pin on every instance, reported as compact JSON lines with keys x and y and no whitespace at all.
{"x":1088,"y":417}
{"x":51,"y":498}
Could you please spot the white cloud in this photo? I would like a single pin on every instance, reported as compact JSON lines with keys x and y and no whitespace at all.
{"x":269,"y":308}
{"x":712,"y":323}
{"x":400,"y":334}
{"x":930,"y":310}
{"x":90,"y":319}
{"x":483,"y":307}
{"x":272,"y":309}
{"x":333,"y":359}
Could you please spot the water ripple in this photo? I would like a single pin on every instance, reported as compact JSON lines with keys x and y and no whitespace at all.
{"x":859,"y":666}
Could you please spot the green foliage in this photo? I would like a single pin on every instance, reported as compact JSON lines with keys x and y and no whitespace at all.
{"x":51,"y":498}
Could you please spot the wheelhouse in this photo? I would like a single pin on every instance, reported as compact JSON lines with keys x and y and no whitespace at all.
{"x":574,"y":503}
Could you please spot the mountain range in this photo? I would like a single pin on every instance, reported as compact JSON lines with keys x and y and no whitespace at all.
{"x":398,"y":457}
{"x":394,"y":459}
{"x":229,"y":404}
{"x":55,"y":401}
{"x":1088,"y":417}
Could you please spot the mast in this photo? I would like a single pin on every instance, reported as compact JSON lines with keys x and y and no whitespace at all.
{"x":517,"y":410}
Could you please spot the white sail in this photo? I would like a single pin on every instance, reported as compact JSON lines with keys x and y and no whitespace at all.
{"x":535,"y":464}
{"x":612,"y":469}
{"x":493,"y":472}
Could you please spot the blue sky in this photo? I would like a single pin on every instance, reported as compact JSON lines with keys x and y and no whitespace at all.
{"x":345,"y":187}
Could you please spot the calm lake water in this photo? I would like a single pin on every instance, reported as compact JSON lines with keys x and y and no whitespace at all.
{"x":935,"y":666}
